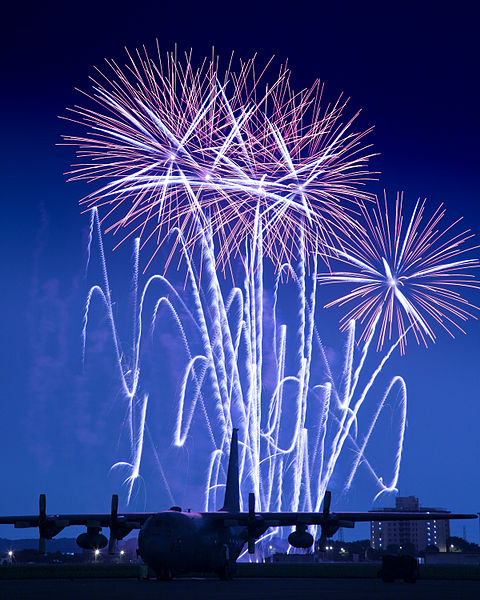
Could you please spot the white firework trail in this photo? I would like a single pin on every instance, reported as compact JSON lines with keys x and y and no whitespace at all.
{"x":293,"y":425}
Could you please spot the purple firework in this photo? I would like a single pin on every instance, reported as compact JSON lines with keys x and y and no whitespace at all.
{"x":173,"y":146}
{"x":404,"y":274}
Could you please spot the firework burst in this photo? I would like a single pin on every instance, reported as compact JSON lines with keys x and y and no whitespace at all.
{"x":407,"y":273}
{"x":299,"y":431}
{"x":171,"y":145}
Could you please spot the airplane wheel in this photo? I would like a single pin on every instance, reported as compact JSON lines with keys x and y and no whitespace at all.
{"x":225,"y":574}
{"x":164,"y":575}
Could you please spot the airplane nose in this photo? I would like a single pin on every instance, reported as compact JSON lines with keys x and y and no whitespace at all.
{"x":165,"y":541}
{"x":153,"y":547}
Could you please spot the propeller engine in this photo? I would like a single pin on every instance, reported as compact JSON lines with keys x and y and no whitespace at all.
{"x":330,"y":523}
{"x":119,"y":526}
{"x":92,"y":539}
{"x":300,"y":538}
{"x":48,"y":526}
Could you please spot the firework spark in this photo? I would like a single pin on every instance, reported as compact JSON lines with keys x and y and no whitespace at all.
{"x":407,"y":273}
{"x":177,"y":147}
{"x":296,"y":424}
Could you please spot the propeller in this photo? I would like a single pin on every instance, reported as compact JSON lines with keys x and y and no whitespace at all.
{"x":329,"y":524}
{"x":327,"y":500}
{"x":42,"y":523}
{"x":119,"y":526}
{"x":113,"y":524}
{"x":251,"y":523}
{"x":47,"y":526}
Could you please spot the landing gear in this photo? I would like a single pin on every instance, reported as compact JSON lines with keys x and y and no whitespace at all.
{"x":226,"y":572}
{"x":164,"y":574}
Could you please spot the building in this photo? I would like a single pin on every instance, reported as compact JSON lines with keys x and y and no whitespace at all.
{"x":419,"y":533}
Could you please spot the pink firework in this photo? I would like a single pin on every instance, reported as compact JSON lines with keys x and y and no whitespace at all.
{"x":173,"y":146}
{"x":405,"y":274}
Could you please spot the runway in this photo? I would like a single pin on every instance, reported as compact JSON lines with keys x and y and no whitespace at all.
{"x":240,"y":589}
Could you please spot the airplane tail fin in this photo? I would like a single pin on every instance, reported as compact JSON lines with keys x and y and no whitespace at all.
{"x":232,"y":489}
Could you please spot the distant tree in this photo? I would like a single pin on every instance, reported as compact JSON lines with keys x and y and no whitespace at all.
{"x":28,"y":555}
{"x":32,"y":556}
{"x":393,"y":549}
{"x":458,"y":544}
{"x":373,"y":554}
{"x":408,"y":549}
{"x":432,"y":549}
{"x":360,"y":547}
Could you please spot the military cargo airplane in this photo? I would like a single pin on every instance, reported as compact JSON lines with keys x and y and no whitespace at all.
{"x":174,"y":542}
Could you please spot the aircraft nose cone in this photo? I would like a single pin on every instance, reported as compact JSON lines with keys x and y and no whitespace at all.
{"x":165,"y":541}
{"x":154,"y":548}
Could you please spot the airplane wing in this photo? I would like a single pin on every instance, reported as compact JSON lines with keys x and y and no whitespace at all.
{"x":135,"y":520}
{"x":343,"y":519}
{"x":50,"y":525}
{"x":329,"y":522}
{"x":284,"y":519}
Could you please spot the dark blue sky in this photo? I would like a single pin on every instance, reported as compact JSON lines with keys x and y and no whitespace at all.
{"x":413,"y":71}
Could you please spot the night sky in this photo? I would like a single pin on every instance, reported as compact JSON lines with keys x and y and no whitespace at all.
{"x":412,"y":71}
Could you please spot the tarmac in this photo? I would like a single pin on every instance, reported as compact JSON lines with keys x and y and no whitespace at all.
{"x":240,"y":589}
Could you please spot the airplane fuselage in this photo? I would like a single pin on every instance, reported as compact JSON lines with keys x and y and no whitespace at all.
{"x":177,"y":542}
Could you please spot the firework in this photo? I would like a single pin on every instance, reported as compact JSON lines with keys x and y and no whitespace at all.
{"x":408,"y":274}
{"x":174,"y":146}
{"x":299,"y":430}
